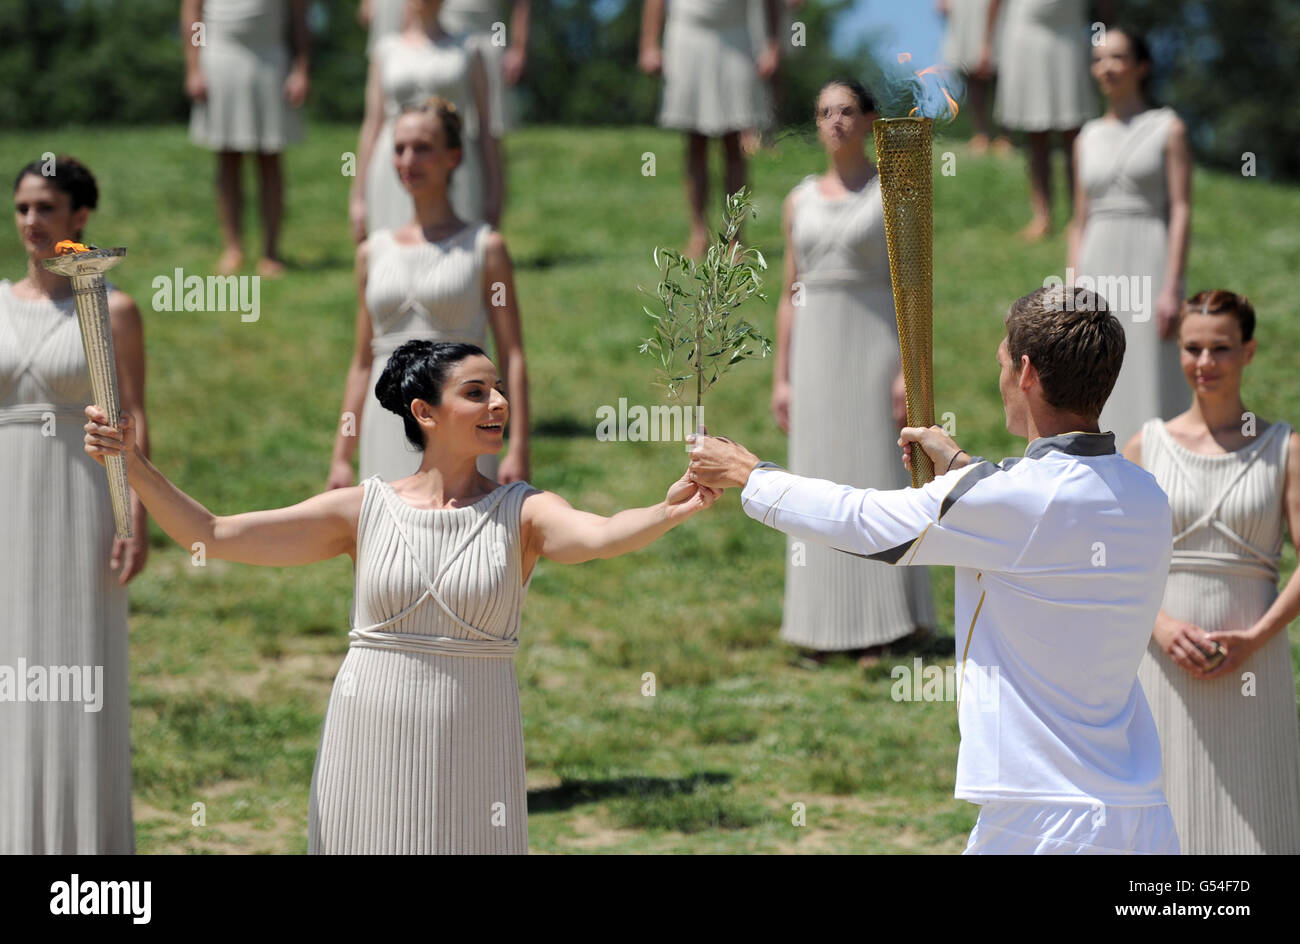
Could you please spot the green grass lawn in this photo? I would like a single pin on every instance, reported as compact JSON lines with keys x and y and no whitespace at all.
{"x":231,"y":665}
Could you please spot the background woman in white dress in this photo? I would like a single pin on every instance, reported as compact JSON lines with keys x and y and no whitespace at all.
{"x":422,"y":748}
{"x":65,"y":768}
{"x":505,"y":54}
{"x":1042,"y":87}
{"x":1228,"y":729}
{"x":436,"y":277}
{"x":966,"y":28}
{"x":247,"y":85}
{"x":1129,"y":235}
{"x":711,"y":87}
{"x":837,"y":385}
{"x":405,"y":69}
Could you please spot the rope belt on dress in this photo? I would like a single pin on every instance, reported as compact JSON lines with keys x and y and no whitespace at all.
{"x":1224,"y":564}
{"x":369,"y":638}
{"x":39,"y":413}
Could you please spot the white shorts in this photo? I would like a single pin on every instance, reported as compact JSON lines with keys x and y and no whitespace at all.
{"x":1038,"y":828}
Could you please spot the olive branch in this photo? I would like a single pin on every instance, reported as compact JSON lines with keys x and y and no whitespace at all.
{"x":699,"y":323}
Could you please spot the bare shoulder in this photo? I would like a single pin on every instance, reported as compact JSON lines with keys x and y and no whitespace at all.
{"x":538,"y":504}
{"x":343,"y":503}
{"x":494,"y":244}
{"x":1293,"y":456}
{"x":122,"y":306}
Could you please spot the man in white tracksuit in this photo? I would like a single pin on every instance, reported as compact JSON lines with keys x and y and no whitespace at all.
{"x":1061,"y":559}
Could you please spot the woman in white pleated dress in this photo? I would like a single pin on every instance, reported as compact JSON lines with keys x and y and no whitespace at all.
{"x":711,"y":87}
{"x":246,"y":72}
{"x":1218,"y":672}
{"x":964,"y":50}
{"x":1132,"y":219}
{"x":65,"y":766}
{"x":407,"y":68}
{"x":836,"y":386}
{"x":422,"y":748}
{"x":1043,"y":87}
{"x":436,"y":277}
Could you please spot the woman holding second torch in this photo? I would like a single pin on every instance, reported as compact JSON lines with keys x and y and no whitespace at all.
{"x":422,"y":748}
{"x":65,"y":766}
{"x":838,"y":386}
{"x":437,"y":277}
{"x":1132,"y":217}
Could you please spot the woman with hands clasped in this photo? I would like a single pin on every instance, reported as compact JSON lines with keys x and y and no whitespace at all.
{"x":422,"y":747}
{"x":1218,"y":669}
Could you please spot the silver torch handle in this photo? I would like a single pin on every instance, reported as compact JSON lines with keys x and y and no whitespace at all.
{"x":86,"y":270}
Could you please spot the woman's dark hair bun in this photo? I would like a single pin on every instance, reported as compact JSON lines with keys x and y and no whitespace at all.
{"x":417,"y":370}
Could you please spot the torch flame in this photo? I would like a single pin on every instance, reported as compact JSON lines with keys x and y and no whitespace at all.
{"x":952,"y":102}
{"x":906,"y":57}
{"x":66,"y":246}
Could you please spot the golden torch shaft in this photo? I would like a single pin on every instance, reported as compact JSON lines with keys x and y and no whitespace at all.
{"x":903,"y":158}
{"x":86,"y":271}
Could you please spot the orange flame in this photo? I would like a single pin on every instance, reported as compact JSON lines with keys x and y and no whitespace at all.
{"x":905,"y":57}
{"x":66,"y":246}
{"x":952,"y":102}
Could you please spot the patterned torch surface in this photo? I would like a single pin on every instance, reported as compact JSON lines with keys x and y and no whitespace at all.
{"x":903,"y":158}
{"x":86,"y":270}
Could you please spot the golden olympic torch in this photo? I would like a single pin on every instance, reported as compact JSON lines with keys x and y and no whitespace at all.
{"x":85,"y":266}
{"x":903,"y":158}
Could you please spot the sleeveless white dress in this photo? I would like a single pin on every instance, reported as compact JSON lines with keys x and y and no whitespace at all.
{"x":429,"y":290}
{"x":1122,"y":255}
{"x":65,"y":766}
{"x":711,"y":83}
{"x":386,"y":18}
{"x":843,"y":360}
{"x":1231,"y":746}
{"x":245,"y":59}
{"x":410,"y":73}
{"x":963,"y":38}
{"x":422,"y":750}
{"x":476,"y":20}
{"x":1043,"y":62}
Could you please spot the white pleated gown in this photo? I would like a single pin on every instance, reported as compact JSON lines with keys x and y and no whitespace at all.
{"x":477,"y":21}
{"x":422,"y":750}
{"x":431,"y":291}
{"x":1043,"y":62}
{"x":245,"y":60}
{"x":843,"y":360}
{"x":65,"y":773}
{"x":963,"y":38}
{"x":1231,"y":755}
{"x":711,"y":83}
{"x":1122,"y":255}
{"x":410,"y":73}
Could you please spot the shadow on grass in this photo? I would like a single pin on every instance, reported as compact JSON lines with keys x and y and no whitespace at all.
{"x":562,"y":427}
{"x":571,"y":793}
{"x":549,"y":260}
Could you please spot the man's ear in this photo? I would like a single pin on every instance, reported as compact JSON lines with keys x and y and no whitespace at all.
{"x":1028,"y":374}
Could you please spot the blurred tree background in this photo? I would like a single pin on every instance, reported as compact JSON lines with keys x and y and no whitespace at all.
{"x":1227,"y":66}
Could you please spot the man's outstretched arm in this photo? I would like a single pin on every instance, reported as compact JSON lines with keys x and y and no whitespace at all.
{"x":901,"y":526}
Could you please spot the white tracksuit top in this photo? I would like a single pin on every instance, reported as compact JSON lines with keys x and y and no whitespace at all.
{"x":1061,"y":560}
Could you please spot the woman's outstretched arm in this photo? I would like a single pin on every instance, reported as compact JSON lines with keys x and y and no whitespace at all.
{"x":556,"y":530}
{"x":319,"y":528}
